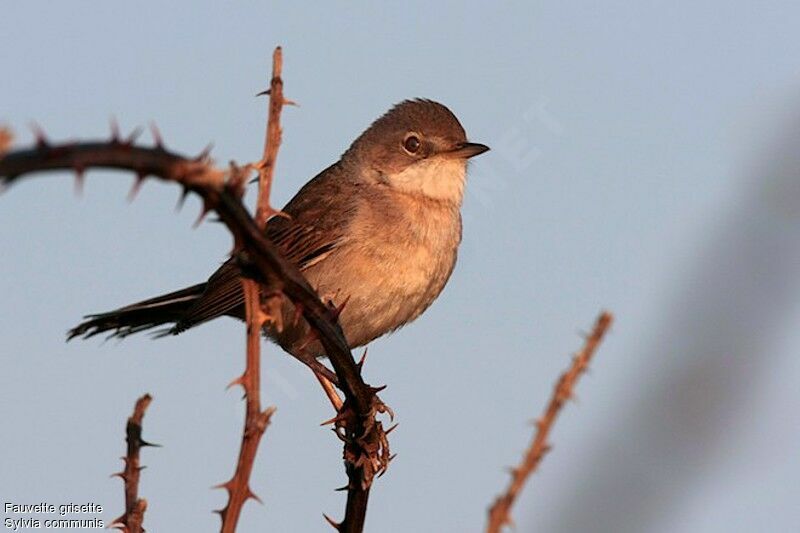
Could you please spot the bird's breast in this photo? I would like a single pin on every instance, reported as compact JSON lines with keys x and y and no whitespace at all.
{"x":396,"y":262}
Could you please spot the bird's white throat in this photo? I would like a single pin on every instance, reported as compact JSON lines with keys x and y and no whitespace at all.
{"x":436,"y":177}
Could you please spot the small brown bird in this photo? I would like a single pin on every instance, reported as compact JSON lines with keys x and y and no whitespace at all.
{"x":380,"y":228}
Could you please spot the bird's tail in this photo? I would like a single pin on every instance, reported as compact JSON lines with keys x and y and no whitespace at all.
{"x":165,"y":309}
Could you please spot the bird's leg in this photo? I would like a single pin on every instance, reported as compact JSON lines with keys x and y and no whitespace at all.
{"x":330,"y":391}
{"x":318,"y":368}
{"x":325,"y":376}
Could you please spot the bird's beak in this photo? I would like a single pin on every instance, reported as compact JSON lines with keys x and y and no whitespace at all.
{"x":466,"y":150}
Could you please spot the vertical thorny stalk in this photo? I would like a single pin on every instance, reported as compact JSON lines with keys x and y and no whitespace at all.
{"x":256,"y":420}
{"x":131,"y":520}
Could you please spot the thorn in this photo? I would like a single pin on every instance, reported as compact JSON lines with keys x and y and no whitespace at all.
{"x":203,"y":212}
{"x":335,"y":525}
{"x":119,"y":523}
{"x":376,"y":390}
{"x":329,"y":421}
{"x":156,"y":136}
{"x":394,"y":426}
{"x":137,"y":185}
{"x":338,"y":418}
{"x":237,"y":381}
{"x":120,"y":475}
{"x":360,"y":364}
{"x":310,"y":338}
{"x":264,"y":418}
{"x":182,"y":198}
{"x":115,"y":138}
{"x":131,"y":138}
{"x":336,"y":311}
{"x":41,"y":138}
{"x":144,"y":444}
{"x":382,"y":472}
{"x":253,"y":495}
{"x":203,"y":155}
{"x":226,"y":485}
{"x":79,"y":180}
{"x":264,"y":93}
{"x":292,"y":103}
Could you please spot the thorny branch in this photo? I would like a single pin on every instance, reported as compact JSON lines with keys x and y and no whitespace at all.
{"x":131,"y":520}
{"x":500,"y":512}
{"x":272,"y":140}
{"x":256,"y":420}
{"x":366,"y":447}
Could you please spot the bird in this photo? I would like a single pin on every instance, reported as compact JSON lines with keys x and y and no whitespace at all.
{"x":378,"y":230}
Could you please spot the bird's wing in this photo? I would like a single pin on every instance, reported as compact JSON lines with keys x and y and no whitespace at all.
{"x":317,"y":222}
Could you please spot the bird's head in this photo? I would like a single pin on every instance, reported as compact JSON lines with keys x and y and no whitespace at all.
{"x":418,"y":147}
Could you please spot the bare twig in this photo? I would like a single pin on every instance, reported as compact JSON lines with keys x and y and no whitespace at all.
{"x":256,"y":420}
{"x":131,"y":520}
{"x":366,"y":450}
{"x":272,"y":141}
{"x":500,"y":512}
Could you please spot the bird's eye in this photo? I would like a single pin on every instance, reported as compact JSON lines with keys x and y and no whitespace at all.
{"x":411,"y":144}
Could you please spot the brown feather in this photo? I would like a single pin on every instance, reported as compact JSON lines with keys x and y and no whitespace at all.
{"x":313,"y":230}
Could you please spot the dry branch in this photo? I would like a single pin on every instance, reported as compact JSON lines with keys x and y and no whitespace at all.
{"x":256,"y":420}
{"x":272,"y":141}
{"x":131,"y":520}
{"x":366,"y":450}
{"x":500,"y":512}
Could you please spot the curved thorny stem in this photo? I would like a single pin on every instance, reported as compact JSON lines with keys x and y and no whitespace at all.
{"x":500,"y":512}
{"x":366,"y":449}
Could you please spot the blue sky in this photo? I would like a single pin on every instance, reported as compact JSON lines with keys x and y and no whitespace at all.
{"x":643,"y":161}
